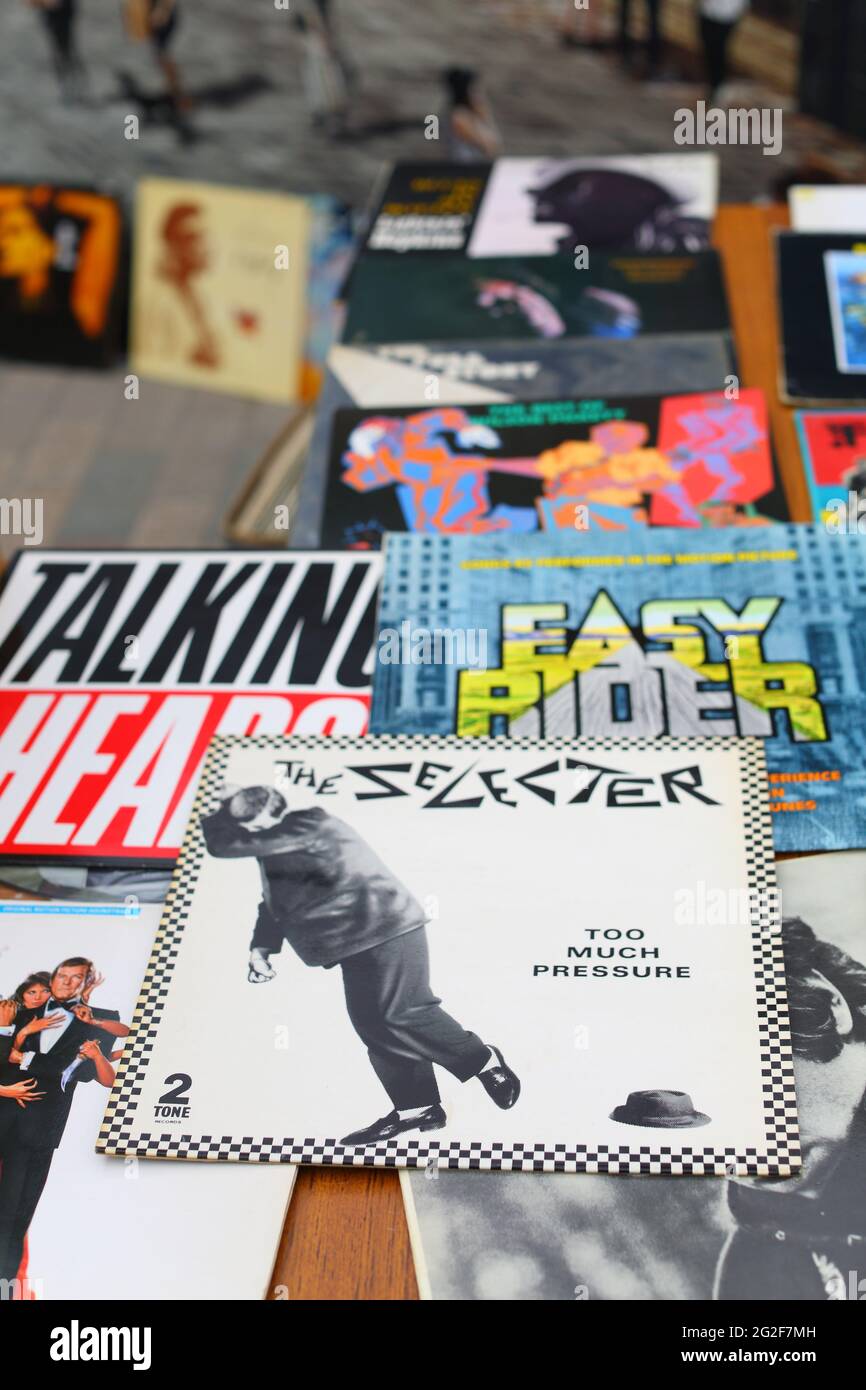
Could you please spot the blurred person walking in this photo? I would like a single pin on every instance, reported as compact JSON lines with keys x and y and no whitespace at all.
{"x":157,"y":21}
{"x":718,"y":20}
{"x":471,"y":130}
{"x":59,"y":19}
{"x":654,"y":40}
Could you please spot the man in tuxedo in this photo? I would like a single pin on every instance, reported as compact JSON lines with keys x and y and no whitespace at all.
{"x":327,"y":893}
{"x":72,"y":1044}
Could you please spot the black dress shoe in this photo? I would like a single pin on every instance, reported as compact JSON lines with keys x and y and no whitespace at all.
{"x":391,"y":1125}
{"x":501,"y":1083}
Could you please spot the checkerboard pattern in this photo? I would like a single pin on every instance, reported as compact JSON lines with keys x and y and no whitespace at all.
{"x":117,"y":1135}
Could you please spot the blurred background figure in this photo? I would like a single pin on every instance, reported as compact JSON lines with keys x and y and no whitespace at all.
{"x":328,"y":77}
{"x":157,"y":22}
{"x":719,"y":19}
{"x":654,"y":40}
{"x":471,"y":133}
{"x":58,"y":17}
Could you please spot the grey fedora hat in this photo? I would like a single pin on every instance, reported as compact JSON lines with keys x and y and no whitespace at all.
{"x":660,"y":1110}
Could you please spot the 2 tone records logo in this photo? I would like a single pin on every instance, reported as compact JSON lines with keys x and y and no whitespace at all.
{"x":173,"y":1105}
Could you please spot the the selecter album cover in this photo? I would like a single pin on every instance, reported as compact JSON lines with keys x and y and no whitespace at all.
{"x":833,"y":450}
{"x":599,"y":295}
{"x":219,"y":288}
{"x":461,"y":372}
{"x":117,"y":668}
{"x":73,"y":1224}
{"x":506,"y":995}
{"x":62,"y":274}
{"x":542,"y":207}
{"x":602,"y":464}
{"x":745,"y":631}
{"x":821,"y":283}
{"x":498,"y":1237}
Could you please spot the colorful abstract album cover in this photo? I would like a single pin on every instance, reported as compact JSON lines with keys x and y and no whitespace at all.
{"x":643,"y":634}
{"x":700,"y":460}
{"x":833,"y":449}
{"x":117,"y":668}
{"x":219,"y":288}
{"x":73,"y":1224}
{"x":62,"y":275}
{"x":396,"y":299}
{"x":387,"y":374}
{"x":846,"y":291}
{"x":331,"y":247}
{"x":598,"y":1239}
{"x":543,"y":207}
{"x":452,"y":1032}
{"x":820,"y":310}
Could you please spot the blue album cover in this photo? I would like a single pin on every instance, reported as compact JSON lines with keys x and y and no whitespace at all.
{"x":655,"y":633}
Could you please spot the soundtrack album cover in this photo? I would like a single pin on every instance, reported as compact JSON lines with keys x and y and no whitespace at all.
{"x":219,"y":288}
{"x":748,"y":631}
{"x":566,"y":1238}
{"x":73,"y":1224}
{"x":62,"y":275}
{"x":820,"y":283}
{"x":833,"y":450}
{"x":117,"y":668}
{"x":472,"y":896}
{"x":543,"y":207}
{"x":460,"y":372}
{"x":597,"y":295}
{"x":600,"y":464}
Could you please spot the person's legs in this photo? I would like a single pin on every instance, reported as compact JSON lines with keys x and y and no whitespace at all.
{"x":716,"y":37}
{"x":395,"y":1013}
{"x":60,"y":27}
{"x":23,"y":1177}
{"x":654,"y":46}
{"x":624,"y":14}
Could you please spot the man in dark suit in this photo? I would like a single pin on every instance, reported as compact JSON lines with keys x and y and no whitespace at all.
{"x":72,"y":1044}
{"x":332,"y":898}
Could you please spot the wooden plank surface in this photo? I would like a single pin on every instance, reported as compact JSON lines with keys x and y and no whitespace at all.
{"x":345,"y":1235}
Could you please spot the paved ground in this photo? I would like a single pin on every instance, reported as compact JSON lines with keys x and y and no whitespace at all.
{"x":164,"y":469}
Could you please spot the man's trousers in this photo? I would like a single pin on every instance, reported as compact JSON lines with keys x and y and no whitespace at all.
{"x":405,"y":1029}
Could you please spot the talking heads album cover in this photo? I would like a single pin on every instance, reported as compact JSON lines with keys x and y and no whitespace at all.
{"x":218,"y":290}
{"x":748,"y":631}
{"x":467,"y":372}
{"x":594,"y":294}
{"x":75,"y":1225}
{"x":698,"y":460}
{"x":62,"y":275}
{"x":472,"y":895}
{"x":117,"y":667}
{"x":565,"y":1238}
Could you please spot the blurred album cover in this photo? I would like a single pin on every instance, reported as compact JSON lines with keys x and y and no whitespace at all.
{"x":559,"y":1237}
{"x":602,"y":464}
{"x":828,"y":208}
{"x":544,"y":207}
{"x":646,"y":633}
{"x":75,"y":1225}
{"x":833,"y":450}
{"x":467,"y":372}
{"x":392,"y":1005}
{"x":62,"y":275}
{"x":822,"y":315}
{"x":219,"y":294}
{"x":611,"y":295}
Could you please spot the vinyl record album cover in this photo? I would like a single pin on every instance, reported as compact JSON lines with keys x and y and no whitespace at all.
{"x":117,"y":667}
{"x":828,"y":208}
{"x":542,"y":207}
{"x":75,"y":1225}
{"x":62,"y":275}
{"x":491,"y":873}
{"x":821,"y":309}
{"x":394,"y":299}
{"x":833,"y":450}
{"x":602,"y":464}
{"x":219,"y":288}
{"x":645,"y":633}
{"x":501,"y":1236}
{"x":387,"y":374}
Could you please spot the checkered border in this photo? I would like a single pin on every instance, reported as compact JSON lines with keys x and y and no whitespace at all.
{"x":780,"y":1153}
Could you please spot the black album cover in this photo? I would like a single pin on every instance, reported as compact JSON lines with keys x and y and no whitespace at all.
{"x":819,"y":286}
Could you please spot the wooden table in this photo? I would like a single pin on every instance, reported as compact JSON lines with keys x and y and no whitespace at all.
{"x":345,"y":1236}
